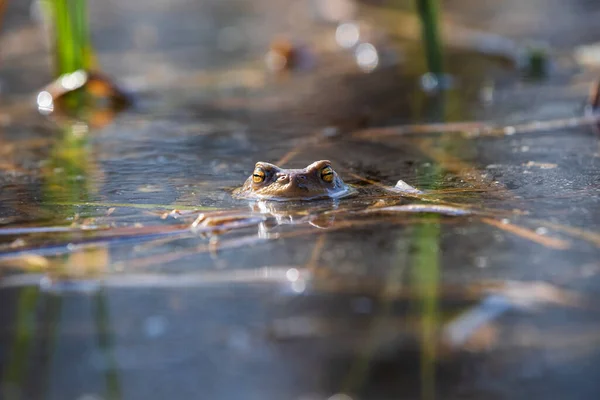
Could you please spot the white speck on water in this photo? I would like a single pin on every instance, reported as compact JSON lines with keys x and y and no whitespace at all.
{"x":481,"y":262}
{"x":155,"y":326}
{"x":299,"y":286}
{"x":45,"y":102}
{"x":367,"y":57}
{"x":429,"y":82}
{"x":292,"y":274}
{"x":541,"y":230}
{"x":347,"y":35}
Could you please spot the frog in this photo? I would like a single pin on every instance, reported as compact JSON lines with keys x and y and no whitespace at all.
{"x":270,"y":183}
{"x":316,"y":181}
{"x":281,"y":196}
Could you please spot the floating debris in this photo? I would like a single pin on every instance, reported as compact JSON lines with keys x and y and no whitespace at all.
{"x":284,"y":55}
{"x":404,"y":187}
{"x":99,"y":90}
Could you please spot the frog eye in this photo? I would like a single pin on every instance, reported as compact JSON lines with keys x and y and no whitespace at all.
{"x":327,"y":174}
{"x":258,"y":175}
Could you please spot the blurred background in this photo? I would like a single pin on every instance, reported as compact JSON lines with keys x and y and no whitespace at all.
{"x":113,"y":114}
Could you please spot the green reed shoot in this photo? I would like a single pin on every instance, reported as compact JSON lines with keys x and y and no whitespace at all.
{"x":72,"y":45}
{"x":429,"y":15}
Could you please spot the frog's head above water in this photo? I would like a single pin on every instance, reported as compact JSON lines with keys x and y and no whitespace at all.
{"x":269,"y":182}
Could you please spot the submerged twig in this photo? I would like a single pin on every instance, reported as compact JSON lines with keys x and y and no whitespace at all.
{"x":311,"y":264}
{"x":423,"y":208}
{"x":589,"y":236}
{"x":132,"y":205}
{"x":477,"y":129}
{"x":528,"y":234}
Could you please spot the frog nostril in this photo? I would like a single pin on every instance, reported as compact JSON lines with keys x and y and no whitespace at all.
{"x":282,"y":178}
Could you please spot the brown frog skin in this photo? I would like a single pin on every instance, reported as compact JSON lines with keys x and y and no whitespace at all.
{"x":316,"y":181}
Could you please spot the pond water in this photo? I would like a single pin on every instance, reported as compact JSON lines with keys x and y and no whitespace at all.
{"x":105,"y":296}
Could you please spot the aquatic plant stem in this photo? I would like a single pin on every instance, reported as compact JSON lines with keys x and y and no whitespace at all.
{"x":429,"y":15}
{"x":359,"y":370}
{"x":105,"y":343}
{"x":72,"y":156}
{"x":49,"y":329}
{"x":73,"y":49}
{"x":426,"y":279}
{"x":12,"y":383}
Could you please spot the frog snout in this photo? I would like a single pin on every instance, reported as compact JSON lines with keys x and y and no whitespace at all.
{"x":283,"y":179}
{"x":300,"y":181}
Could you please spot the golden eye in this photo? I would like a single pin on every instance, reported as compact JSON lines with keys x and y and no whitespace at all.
{"x":327,"y":174}
{"x":258,"y":175}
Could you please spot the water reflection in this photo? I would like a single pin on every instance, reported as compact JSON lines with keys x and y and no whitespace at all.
{"x":367,"y":57}
{"x":69,"y":171}
{"x":347,"y":35}
{"x":45,"y":102}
